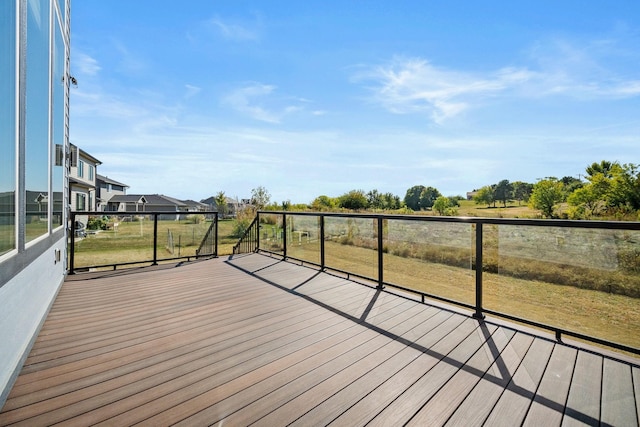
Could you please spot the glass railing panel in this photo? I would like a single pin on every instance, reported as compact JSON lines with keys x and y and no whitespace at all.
{"x":271,"y":234}
{"x":104,"y":239}
{"x":583,"y":280}
{"x":351,"y":245}
{"x":181,"y":235}
{"x":431,"y":257}
{"x":303,"y":237}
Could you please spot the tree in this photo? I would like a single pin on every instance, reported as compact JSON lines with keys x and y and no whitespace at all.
{"x":354,"y":200}
{"x":412,"y":198}
{"x":374,"y":199}
{"x":221,"y":203}
{"x":571,"y":184}
{"x":428,"y":197}
{"x":625,"y":187}
{"x":589,"y":200}
{"x":522,"y":191}
{"x":503,"y":191}
{"x":391,"y":201}
{"x":546,"y":193}
{"x":604,"y":167}
{"x":260,"y":197}
{"x":484,"y":195}
{"x":324,"y":203}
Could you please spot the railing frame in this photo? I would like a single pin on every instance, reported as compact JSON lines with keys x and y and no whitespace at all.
{"x":479,"y":311}
{"x":72,"y":238}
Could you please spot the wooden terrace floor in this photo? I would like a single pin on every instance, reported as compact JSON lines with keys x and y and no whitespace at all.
{"x":255,"y":340}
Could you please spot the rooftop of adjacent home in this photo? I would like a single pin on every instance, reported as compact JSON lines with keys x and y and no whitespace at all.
{"x":258,"y":339}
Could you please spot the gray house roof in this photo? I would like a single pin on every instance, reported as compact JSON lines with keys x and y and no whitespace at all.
{"x":108,"y":180}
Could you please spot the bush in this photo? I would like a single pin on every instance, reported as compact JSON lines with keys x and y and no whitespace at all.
{"x":95,"y":223}
{"x":195,"y":218}
{"x":244,"y":218}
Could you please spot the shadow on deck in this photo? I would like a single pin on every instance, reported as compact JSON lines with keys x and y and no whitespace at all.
{"x":254,"y":339}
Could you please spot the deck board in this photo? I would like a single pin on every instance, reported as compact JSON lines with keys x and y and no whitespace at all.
{"x":583,"y":404}
{"x":255,"y":339}
{"x":618,"y":406}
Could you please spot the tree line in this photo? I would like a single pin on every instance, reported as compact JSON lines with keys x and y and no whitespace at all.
{"x":610,"y":190}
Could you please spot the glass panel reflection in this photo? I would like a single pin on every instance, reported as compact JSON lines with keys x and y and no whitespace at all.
{"x":37,"y":121}
{"x":7,"y":126}
{"x":582,"y":280}
{"x":431,"y":257}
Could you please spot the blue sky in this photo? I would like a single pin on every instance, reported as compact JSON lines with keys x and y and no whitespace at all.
{"x":310,"y":98}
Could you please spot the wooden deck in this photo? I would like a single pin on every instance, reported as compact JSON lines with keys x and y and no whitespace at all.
{"x":255,"y":340}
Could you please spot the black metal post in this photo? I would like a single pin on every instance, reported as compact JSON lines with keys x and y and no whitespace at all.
{"x":155,"y":239}
{"x":257,"y":231}
{"x":380,"y":255}
{"x":215,"y":249}
{"x":478,"y":314}
{"x":284,"y":235}
{"x":72,"y":249}
{"x":321,"y":242}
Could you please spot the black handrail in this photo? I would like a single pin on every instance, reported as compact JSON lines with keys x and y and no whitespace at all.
{"x":210,"y":239}
{"x":251,"y":240}
{"x":73,"y":233}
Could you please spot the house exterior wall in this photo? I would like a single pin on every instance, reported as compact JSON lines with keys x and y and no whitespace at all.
{"x":83,"y":175}
{"x":107,"y":190}
{"x":34,"y":90}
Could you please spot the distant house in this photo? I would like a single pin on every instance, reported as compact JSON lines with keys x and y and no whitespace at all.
{"x":233,"y":206}
{"x":106,"y":189}
{"x":471,"y":194}
{"x":193,"y":206}
{"x":137,"y":203}
{"x":82,"y":180}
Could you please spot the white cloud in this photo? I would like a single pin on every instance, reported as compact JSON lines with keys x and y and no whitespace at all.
{"x":251,"y":99}
{"x":234,"y":31}
{"x":85,"y":64}
{"x":587,"y":70}
{"x":415,"y":85}
{"x":191,"y":90}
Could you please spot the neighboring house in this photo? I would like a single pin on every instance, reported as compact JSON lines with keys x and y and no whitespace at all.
{"x":82,"y":180}
{"x":106,"y":189}
{"x":193,"y":206}
{"x":34,"y":111}
{"x":127,"y":203}
{"x":132,"y":203}
{"x":232,"y":208}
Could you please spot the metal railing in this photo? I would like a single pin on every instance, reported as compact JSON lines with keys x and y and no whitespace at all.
{"x":525,"y":270}
{"x":209,"y":244}
{"x":99,"y":240}
{"x":249,"y":240}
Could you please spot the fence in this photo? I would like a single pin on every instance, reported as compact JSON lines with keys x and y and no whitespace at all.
{"x":576,"y":278}
{"x":110,"y":239}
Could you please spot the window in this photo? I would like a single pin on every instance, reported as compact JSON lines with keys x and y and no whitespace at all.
{"x":91,"y":172}
{"x":81,"y":201}
{"x":58,"y":124}
{"x":37,"y":120}
{"x":8,"y":129}
{"x":80,"y":168}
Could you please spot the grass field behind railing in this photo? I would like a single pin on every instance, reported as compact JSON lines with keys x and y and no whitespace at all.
{"x":594,"y":313}
{"x":132,"y":241}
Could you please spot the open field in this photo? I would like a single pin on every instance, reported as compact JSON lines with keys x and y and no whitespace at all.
{"x":130,"y":241}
